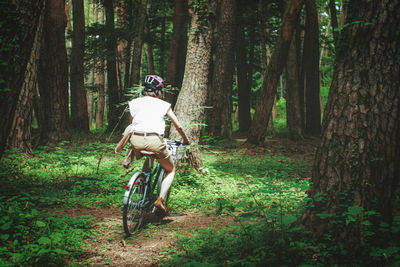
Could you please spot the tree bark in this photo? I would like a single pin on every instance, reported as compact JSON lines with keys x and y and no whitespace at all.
{"x":265,"y":56}
{"x":334,"y":21}
{"x":189,"y":107}
{"x":357,"y":162}
{"x":243,"y":77}
{"x":177,"y":50}
{"x":219,"y":117}
{"x":293,"y":111}
{"x":266,"y":98}
{"x":311,"y":71}
{"x":21,"y":115}
{"x":138,"y":41}
{"x":79,"y":111}
{"x":53,"y":74}
{"x":112,"y":83}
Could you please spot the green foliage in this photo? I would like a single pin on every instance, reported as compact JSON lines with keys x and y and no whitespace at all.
{"x":263,"y":193}
{"x":29,"y":236}
{"x":67,"y":175}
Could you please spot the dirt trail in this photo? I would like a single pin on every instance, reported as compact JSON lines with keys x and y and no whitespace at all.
{"x":110,"y":247}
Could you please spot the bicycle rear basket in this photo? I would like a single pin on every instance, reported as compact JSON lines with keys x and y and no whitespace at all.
{"x":177,"y":151}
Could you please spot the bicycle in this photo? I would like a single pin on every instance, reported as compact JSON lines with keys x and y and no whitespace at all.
{"x":144,"y":187}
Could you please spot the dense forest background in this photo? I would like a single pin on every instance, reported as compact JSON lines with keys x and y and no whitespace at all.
{"x":319,"y":71}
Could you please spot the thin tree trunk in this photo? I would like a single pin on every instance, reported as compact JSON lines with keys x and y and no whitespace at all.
{"x":90,"y":79}
{"x":266,"y":98}
{"x":162,"y":47}
{"x":189,"y":107}
{"x":177,"y":50}
{"x":334,"y":21}
{"x":243,"y":83}
{"x":79,"y":113}
{"x":150,"y":59}
{"x":265,"y":57}
{"x":99,"y":69}
{"x":138,"y":41}
{"x":112,"y":83}
{"x":121,"y":7}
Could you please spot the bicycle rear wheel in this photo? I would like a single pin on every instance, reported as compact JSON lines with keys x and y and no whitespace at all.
{"x":133,"y":209}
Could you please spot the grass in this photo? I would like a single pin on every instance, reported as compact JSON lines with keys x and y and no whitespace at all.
{"x":265,"y":191}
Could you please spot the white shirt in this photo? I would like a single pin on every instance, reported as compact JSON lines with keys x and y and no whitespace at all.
{"x":148,"y":114}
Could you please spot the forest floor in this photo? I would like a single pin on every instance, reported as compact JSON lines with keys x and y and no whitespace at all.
{"x":110,"y":246}
{"x":149,"y":245}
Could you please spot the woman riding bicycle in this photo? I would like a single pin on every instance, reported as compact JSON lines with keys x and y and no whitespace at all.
{"x":148,"y":126}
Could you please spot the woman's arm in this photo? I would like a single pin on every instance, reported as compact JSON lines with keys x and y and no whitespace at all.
{"x":171,"y":115}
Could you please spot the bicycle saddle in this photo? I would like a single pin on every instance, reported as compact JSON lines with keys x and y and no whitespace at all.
{"x":147,"y":153}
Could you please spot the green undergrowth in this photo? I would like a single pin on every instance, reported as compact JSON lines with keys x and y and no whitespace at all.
{"x":259,"y":193}
{"x":31,"y":237}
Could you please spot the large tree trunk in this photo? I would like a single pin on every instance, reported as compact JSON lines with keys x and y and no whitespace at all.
{"x":112,"y":83}
{"x":177,"y":50}
{"x":357,"y":162}
{"x":267,"y":94}
{"x":219,"y":117}
{"x":79,"y":112}
{"x":311,"y":71}
{"x":189,"y":107}
{"x":53,"y":74}
{"x":19,"y":76}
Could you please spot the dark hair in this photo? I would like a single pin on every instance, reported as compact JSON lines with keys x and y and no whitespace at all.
{"x":151,"y":92}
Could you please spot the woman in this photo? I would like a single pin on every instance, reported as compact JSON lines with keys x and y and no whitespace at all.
{"x":148,"y":126}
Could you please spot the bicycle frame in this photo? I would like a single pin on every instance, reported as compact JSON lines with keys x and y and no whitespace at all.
{"x":150,"y":183}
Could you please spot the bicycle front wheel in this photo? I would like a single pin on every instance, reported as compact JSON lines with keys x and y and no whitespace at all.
{"x":133,"y":209}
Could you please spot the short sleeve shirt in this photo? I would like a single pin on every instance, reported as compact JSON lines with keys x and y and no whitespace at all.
{"x":148,"y":114}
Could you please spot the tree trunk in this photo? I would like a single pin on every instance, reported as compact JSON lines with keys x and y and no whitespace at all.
{"x":122,"y":9}
{"x":53,"y":74}
{"x":20,"y":116}
{"x":189,"y":107}
{"x":150,"y":59}
{"x":334,"y":21}
{"x":311,"y":71}
{"x":265,"y":56}
{"x":112,"y":83}
{"x":162,"y":47}
{"x":266,"y":98}
{"x":243,"y":77}
{"x":90,"y":79}
{"x":177,"y":50}
{"x":219,"y":117}
{"x":357,"y":162}
{"x":138,"y":41}
{"x":99,"y":69}
{"x":293,"y":111}
{"x":79,"y":112}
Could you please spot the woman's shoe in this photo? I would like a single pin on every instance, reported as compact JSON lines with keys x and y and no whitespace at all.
{"x":159,"y":203}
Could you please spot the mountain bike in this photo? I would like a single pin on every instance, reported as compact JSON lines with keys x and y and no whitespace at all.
{"x":144,"y":187}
